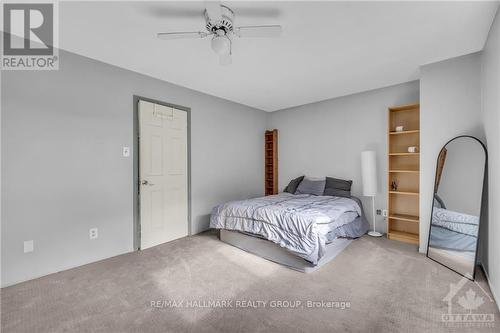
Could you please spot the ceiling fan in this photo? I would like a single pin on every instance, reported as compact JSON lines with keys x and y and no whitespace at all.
{"x":219,"y":24}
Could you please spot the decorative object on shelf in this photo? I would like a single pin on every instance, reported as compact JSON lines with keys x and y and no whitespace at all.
{"x":394,"y":185}
{"x":400,"y":128}
{"x":271,"y":162}
{"x":456,"y":209}
{"x":412,"y":149}
{"x":369,"y":176}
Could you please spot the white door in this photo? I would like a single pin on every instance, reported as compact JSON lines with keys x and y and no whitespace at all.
{"x":162,"y":173}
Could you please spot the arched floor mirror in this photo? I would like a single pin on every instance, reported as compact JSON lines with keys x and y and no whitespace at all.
{"x":456,"y":207}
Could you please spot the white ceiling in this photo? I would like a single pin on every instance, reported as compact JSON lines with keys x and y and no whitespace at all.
{"x":328,"y":49}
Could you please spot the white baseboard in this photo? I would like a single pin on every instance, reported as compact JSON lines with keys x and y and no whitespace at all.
{"x":62,"y":269}
{"x":495,"y":298}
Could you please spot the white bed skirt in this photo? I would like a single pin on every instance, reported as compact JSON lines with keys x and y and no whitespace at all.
{"x":271,"y":251}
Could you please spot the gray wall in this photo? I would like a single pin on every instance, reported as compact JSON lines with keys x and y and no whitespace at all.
{"x":62,"y":169}
{"x":450,"y":105}
{"x":327,"y":138}
{"x":491,"y":120}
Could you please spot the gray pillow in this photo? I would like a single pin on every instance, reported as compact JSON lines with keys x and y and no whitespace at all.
{"x":292,"y":186}
{"x":338,"y":187}
{"x":311,"y":186}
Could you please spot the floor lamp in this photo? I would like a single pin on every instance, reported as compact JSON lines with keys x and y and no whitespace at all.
{"x":369,"y":175}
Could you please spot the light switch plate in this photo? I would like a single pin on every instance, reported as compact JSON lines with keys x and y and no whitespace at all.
{"x":28,"y":246}
{"x":384,"y":212}
{"x":126,"y":151}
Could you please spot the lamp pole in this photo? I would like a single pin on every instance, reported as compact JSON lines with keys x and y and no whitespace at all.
{"x":374,"y":233}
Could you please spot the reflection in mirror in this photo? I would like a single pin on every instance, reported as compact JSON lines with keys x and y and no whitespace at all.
{"x":456,"y":211}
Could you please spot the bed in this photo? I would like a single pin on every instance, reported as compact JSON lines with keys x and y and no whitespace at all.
{"x":301,"y":231}
{"x":453,"y":230}
{"x":453,"y":239}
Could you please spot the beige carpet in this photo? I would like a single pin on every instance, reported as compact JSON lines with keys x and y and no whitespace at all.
{"x":390,"y":287}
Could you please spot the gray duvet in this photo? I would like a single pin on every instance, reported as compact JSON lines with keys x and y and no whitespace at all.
{"x":303,"y":223}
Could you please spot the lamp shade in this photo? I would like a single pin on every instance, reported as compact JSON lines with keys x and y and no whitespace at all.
{"x":369,"y":173}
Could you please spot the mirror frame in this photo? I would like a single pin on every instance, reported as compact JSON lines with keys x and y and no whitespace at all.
{"x":480,"y":210}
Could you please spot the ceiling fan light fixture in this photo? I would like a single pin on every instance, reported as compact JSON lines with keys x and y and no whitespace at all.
{"x":219,"y":24}
{"x":221,"y":45}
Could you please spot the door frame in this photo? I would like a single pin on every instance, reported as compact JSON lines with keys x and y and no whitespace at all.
{"x":135,"y":154}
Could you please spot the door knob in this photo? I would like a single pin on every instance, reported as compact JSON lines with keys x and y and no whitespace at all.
{"x":145,"y":182}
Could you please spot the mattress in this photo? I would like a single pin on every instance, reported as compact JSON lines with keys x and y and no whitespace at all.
{"x":454,"y":221}
{"x":329,"y":228}
{"x":303,"y":224}
{"x":354,"y":229}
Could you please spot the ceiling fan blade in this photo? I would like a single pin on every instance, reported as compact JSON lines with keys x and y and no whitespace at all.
{"x":181,"y":35}
{"x":214,"y":11}
{"x":258,"y":31}
{"x":225,"y":59}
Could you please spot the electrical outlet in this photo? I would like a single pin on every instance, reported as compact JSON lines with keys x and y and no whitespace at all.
{"x":126,"y":151}
{"x":28,"y":246}
{"x":379,"y":212}
{"x":384,"y":212}
{"x":93,"y":233}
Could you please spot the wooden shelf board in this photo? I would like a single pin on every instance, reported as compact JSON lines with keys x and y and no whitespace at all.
{"x":404,"y":132}
{"x":403,"y":236}
{"x":415,"y":106}
{"x":404,"y":192}
{"x":403,"y":154}
{"x":404,"y":171}
{"x":404,"y":217}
